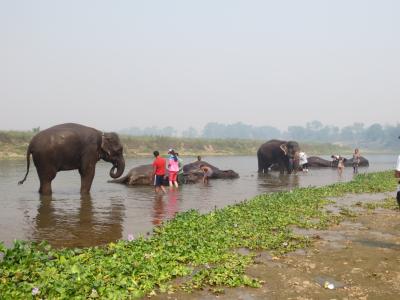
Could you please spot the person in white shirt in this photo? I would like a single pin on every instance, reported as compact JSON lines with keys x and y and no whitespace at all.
{"x":303,"y":162}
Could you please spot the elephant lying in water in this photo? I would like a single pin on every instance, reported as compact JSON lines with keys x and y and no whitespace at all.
{"x":143,"y":175}
{"x":192,"y":172}
{"x":318,"y":162}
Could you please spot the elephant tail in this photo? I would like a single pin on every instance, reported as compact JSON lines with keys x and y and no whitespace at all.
{"x":28,"y":162}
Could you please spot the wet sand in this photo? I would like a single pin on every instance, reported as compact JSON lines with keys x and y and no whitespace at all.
{"x":360,"y":257}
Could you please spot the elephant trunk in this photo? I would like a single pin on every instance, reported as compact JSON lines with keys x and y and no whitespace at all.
{"x":296,"y":161}
{"x":293,"y":158}
{"x":290,"y":165}
{"x":120,"y":166}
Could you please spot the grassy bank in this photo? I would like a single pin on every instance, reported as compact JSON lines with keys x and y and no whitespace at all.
{"x":198,"y":249}
{"x":13,"y":145}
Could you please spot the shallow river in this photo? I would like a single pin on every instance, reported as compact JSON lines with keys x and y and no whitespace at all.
{"x":113,"y":211}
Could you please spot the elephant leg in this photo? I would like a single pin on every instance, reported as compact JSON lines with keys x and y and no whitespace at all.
{"x":87,"y":174}
{"x":260,"y":167}
{"x":290,"y":166}
{"x":282,"y":166}
{"x":261,"y":163}
{"x":267,"y":165}
{"x":46,"y":171}
{"x":46,"y":177}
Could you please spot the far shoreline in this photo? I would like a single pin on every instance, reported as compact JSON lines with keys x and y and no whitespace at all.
{"x":13,"y":146}
{"x":12,"y":156}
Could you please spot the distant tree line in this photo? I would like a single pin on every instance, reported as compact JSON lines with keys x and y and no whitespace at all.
{"x":373,"y":136}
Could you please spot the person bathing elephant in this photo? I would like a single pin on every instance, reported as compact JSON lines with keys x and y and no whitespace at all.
{"x":281,"y":153}
{"x":73,"y":147}
{"x":318,"y":162}
{"x":192,"y":173}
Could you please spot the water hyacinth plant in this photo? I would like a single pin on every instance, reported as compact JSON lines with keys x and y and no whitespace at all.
{"x":35,"y":291}
{"x":199,"y":248}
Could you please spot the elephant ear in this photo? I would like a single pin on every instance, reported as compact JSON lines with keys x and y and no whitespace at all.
{"x":284,"y":148}
{"x":105,"y":143}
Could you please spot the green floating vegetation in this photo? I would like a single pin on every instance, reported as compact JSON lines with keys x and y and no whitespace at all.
{"x":189,"y":252}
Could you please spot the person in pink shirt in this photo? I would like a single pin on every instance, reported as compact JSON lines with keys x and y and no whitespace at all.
{"x":173,"y":168}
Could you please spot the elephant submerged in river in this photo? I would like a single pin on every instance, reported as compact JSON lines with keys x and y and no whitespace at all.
{"x":318,"y":162}
{"x":73,"y":146}
{"x":193,"y":173}
{"x":279,"y":153}
{"x":140,"y":175}
{"x":143,"y":175}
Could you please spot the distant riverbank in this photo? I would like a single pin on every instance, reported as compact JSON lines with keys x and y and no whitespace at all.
{"x":13,"y":145}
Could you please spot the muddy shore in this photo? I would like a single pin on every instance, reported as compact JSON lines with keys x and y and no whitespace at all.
{"x":360,"y":258}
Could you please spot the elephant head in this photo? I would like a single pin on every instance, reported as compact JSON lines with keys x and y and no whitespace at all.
{"x":112,"y":151}
{"x":291,"y":150}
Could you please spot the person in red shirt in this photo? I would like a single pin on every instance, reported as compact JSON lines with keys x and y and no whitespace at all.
{"x":158,"y":172}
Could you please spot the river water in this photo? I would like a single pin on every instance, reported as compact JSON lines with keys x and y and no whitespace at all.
{"x":114,"y":211}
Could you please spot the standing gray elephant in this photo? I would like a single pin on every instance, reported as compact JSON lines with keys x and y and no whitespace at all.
{"x":281,"y":153}
{"x":73,"y":147}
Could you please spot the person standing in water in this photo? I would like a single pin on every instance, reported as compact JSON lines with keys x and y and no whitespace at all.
{"x":303,"y":162}
{"x":340,"y":165}
{"x":356,"y":160}
{"x":207,"y":171}
{"x":158,"y":172}
{"x":173,"y":169}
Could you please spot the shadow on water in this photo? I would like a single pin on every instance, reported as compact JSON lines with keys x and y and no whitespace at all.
{"x":66,"y":226}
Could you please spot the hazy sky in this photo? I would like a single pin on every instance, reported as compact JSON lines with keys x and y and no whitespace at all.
{"x":117,"y":64}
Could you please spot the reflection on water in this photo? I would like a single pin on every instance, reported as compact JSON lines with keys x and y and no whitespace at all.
{"x":60,"y":222}
{"x":114,"y":211}
{"x":158,"y":210}
{"x":274,"y":180}
{"x":165,"y":206}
